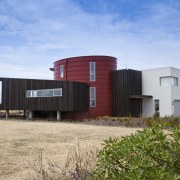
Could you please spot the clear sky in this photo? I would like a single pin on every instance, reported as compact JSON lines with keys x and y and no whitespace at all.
{"x":142,"y":34}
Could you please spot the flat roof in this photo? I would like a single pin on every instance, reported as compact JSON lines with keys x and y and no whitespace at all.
{"x":161,"y":68}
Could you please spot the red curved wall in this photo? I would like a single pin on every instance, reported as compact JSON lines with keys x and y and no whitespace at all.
{"x":78,"y":69}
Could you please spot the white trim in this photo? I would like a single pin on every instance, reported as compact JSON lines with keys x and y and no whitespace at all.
{"x":33,"y":93}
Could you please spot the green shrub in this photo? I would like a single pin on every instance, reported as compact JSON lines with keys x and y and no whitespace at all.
{"x":148,"y":154}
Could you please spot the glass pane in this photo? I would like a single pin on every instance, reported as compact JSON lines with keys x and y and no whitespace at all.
{"x":92,"y":77}
{"x":45,"y":93}
{"x":92,"y":94}
{"x":168,"y":81}
{"x":34,"y":93}
{"x":28,"y":93}
{"x":92,"y":67}
{"x":156,"y":105}
{"x":62,"y":71}
{"x":176,"y":81}
{"x":92,"y":103}
{"x":92,"y":71}
{"x":57,"y":92}
{"x":165,"y":81}
{"x":172,"y":81}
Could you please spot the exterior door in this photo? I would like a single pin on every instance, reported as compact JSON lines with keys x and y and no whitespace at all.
{"x":177,"y":108}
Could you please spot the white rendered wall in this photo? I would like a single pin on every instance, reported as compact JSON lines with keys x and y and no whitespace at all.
{"x":0,"y":92}
{"x":175,"y":90}
{"x":151,"y":86}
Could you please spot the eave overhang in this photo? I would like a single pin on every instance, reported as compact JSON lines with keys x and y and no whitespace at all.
{"x":51,"y":69}
{"x":140,"y":96}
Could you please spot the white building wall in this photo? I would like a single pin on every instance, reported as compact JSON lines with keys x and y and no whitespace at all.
{"x":175,"y":90}
{"x":0,"y":92}
{"x":151,"y":86}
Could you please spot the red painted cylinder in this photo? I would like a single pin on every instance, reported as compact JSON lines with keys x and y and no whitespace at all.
{"x":78,"y":69}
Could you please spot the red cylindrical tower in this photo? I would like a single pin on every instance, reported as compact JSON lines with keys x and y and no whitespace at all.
{"x":95,"y":71}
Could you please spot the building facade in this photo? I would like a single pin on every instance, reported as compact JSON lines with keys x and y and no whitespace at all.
{"x":163,"y":85}
{"x":32,"y":95}
{"x":91,"y":86}
{"x":96,"y":71}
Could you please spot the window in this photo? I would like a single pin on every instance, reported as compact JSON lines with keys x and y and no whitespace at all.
{"x":92,"y":71}
{"x":0,"y":92}
{"x":156,"y":107}
{"x":61,"y":71}
{"x":92,"y":97}
{"x":44,"y":93}
{"x":168,"y":81}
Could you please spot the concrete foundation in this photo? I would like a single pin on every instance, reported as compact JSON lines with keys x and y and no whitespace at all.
{"x":7,"y":114}
{"x":58,"y":115}
{"x":30,"y":114}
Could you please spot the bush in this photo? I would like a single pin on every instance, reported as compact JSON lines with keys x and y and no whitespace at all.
{"x":170,"y":121}
{"x":148,"y":154}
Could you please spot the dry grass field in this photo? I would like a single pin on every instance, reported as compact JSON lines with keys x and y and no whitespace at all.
{"x":21,"y":140}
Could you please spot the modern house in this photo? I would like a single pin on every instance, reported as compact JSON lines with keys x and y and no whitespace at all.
{"x":91,"y":86}
{"x":163,"y":85}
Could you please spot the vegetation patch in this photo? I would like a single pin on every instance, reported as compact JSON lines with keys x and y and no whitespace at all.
{"x":153,"y":153}
{"x":170,"y":121}
{"x":148,"y":154}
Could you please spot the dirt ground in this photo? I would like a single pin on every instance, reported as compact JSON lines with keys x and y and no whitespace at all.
{"x":21,"y":140}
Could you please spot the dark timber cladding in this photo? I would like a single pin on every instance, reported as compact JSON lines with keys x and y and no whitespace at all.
{"x":126,"y":83}
{"x":74,"y":95}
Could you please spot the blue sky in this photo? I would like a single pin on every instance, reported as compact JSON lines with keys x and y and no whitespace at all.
{"x":142,"y":34}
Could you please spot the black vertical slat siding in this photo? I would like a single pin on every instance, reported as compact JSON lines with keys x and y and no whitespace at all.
{"x":126,"y":82}
{"x":74,"y":95}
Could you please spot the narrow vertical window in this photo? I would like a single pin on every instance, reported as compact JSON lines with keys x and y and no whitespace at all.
{"x":92,"y":97}
{"x":92,"y":71}
{"x":156,"y":107}
{"x":61,"y":71}
{"x":0,"y":92}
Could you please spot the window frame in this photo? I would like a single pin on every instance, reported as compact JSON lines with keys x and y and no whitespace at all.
{"x":92,"y":74}
{"x":169,"y":84}
{"x":157,"y":111}
{"x":61,"y":71}
{"x":30,"y":93}
{"x":94,"y":98}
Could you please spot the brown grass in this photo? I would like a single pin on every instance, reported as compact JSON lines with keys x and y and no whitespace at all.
{"x":21,"y":142}
{"x":80,"y":164}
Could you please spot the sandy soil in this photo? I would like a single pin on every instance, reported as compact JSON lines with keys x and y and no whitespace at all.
{"x":21,"y":140}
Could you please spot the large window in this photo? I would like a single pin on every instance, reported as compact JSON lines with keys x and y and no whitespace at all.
{"x":92,"y":97}
{"x":44,"y":93}
{"x":168,"y":81}
{"x":61,"y":71}
{"x":0,"y":92}
{"x":92,"y":71}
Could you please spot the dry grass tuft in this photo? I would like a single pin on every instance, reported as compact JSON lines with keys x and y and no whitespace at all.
{"x":21,"y":141}
{"x":80,"y":163}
